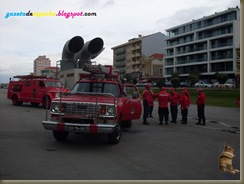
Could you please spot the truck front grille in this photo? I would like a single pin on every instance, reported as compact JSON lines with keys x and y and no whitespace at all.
{"x":81,"y":109}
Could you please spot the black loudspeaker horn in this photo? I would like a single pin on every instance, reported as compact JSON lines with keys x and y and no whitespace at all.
{"x":71,"y":47}
{"x":90,"y":50}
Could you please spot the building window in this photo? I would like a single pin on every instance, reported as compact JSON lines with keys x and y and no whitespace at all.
{"x":169,"y":71}
{"x":223,"y":18}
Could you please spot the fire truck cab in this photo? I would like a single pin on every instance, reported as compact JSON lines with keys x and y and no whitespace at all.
{"x":97,"y":103}
{"x":34,"y":89}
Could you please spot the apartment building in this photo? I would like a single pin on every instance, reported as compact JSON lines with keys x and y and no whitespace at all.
{"x":40,"y":64}
{"x":129,"y":57}
{"x":153,"y":67}
{"x":207,"y":45}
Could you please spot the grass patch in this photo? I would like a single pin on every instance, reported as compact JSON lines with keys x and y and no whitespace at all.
{"x":214,"y":97}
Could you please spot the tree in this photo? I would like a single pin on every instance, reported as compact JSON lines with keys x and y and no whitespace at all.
{"x":160,"y":83}
{"x":128,"y":77}
{"x":175,"y":80}
{"x":193,"y":77}
{"x":221,"y":77}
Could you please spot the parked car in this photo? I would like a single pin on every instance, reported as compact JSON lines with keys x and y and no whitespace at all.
{"x":151,"y":84}
{"x":184,"y":84}
{"x":154,"y":84}
{"x":230,"y":84}
{"x":227,"y":84}
{"x":202,"y":84}
{"x":139,"y":84}
{"x":168,"y":84}
{"x":216,"y":85}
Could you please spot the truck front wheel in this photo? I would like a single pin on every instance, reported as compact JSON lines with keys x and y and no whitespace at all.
{"x":114,"y":137}
{"x":60,"y":136}
{"x":16,"y":101}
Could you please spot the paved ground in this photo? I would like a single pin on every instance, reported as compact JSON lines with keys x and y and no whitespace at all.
{"x":217,"y":118}
{"x":173,"y":152}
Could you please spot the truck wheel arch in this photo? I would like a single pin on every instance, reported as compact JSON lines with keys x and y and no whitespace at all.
{"x":46,"y":101}
{"x":15,"y":100}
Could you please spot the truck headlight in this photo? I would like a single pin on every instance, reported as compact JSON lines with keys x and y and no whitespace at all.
{"x":55,"y":107}
{"x":110,"y":110}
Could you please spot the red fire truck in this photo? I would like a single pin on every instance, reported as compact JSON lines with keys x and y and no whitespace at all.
{"x":97,"y":103}
{"x":34,"y":89}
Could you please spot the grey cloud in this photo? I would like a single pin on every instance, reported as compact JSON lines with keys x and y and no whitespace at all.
{"x":183,"y":16}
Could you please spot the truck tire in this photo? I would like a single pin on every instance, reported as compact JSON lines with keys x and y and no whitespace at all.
{"x":60,"y":136}
{"x":15,"y":100}
{"x":46,"y":102}
{"x":114,"y":138}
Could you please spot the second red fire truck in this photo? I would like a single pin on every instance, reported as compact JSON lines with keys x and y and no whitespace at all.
{"x":34,"y":89}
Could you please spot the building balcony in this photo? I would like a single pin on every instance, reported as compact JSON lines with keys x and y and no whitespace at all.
{"x":137,"y":62}
{"x":136,"y":47}
{"x":136,"y":55}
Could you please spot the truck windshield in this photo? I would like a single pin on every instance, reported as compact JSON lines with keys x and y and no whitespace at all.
{"x":53,"y":84}
{"x":96,"y":87}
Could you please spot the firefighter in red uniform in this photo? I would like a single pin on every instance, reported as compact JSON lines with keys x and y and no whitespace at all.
{"x":151,"y":104}
{"x":174,"y":102}
{"x":163,"y":100}
{"x":184,"y":102}
{"x":184,"y":90}
{"x":201,"y":101}
{"x":146,"y":100}
{"x":187,"y":94}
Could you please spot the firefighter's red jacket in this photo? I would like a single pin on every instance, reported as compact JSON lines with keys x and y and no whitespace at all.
{"x":163,"y":99}
{"x":174,"y":98}
{"x":201,"y":100}
{"x":146,"y":96}
{"x":184,"y":102}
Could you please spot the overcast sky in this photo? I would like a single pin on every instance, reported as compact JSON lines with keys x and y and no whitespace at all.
{"x":23,"y":38}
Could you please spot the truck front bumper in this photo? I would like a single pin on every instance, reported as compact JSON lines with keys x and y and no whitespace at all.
{"x":82,"y":128}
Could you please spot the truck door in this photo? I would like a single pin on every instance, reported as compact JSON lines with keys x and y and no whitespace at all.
{"x":26,"y":90}
{"x":133,"y":101}
{"x":40,"y":90}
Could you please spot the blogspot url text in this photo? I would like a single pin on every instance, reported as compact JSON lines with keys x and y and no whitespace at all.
{"x":61,"y":13}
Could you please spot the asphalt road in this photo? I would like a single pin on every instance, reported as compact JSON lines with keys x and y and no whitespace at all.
{"x":146,"y":152}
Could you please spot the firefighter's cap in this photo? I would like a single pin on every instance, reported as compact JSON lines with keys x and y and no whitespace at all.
{"x":183,"y":89}
{"x":148,"y":86}
{"x":171,"y":89}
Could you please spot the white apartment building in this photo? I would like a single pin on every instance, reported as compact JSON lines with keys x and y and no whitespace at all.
{"x":207,"y":45}
{"x":40,"y":64}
